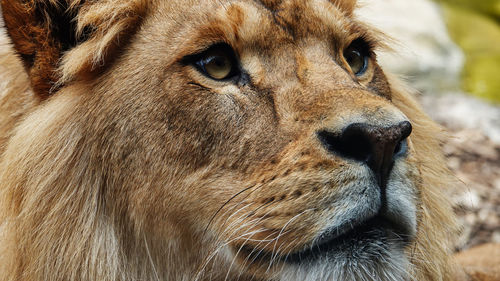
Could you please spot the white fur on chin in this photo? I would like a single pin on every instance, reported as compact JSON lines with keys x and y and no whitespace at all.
{"x":389,"y":265}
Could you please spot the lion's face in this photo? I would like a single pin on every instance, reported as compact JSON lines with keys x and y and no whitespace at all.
{"x":261,"y":140}
{"x":253,"y":139}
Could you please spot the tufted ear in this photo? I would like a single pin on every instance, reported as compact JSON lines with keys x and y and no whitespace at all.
{"x":41,"y":31}
{"x":58,"y":40}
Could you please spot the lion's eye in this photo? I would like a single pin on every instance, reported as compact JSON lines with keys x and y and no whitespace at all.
{"x":357,"y":55}
{"x":218,"y":62}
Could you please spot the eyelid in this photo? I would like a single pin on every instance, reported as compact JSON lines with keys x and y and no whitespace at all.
{"x":197,"y":55}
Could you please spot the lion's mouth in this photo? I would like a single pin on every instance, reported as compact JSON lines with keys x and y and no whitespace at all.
{"x":364,"y":240}
{"x":373,"y":235}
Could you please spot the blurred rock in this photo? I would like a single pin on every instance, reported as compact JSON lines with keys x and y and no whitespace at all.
{"x":473,"y":155}
{"x":425,"y":53}
{"x":475,"y":160}
{"x":457,"y":111}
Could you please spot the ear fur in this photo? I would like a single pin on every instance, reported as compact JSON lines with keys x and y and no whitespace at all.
{"x":347,"y":6}
{"x":37,"y":30}
{"x":59,"y":40}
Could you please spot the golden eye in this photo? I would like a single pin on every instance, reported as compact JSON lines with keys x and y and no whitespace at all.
{"x":218,"y":62}
{"x":357,"y":55}
{"x":217,"y":66}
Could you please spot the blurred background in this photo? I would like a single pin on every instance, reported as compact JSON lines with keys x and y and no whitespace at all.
{"x":449,"y":50}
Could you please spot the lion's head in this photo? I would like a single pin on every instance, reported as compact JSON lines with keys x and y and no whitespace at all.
{"x":213,"y":140}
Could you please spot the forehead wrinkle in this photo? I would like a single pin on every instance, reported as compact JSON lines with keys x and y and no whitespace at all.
{"x":239,"y":20}
{"x":225,"y":24}
{"x":303,"y":18}
{"x":284,"y":21}
{"x":270,"y":5}
{"x":273,"y":7}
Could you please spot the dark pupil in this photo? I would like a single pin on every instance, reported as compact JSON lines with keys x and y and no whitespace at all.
{"x":218,"y":61}
{"x":355,"y":61}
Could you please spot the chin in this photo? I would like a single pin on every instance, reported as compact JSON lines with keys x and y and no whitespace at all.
{"x":379,"y":257}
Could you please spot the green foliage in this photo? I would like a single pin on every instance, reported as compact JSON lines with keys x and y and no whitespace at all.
{"x":490,"y":7}
{"x":479,"y":36}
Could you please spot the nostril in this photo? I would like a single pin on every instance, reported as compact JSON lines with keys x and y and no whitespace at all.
{"x":376,"y":146}
{"x":350,"y":143}
{"x":401,"y":148}
{"x":405,"y":129}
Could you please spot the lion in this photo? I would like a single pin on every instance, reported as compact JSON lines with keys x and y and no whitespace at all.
{"x":213,"y":140}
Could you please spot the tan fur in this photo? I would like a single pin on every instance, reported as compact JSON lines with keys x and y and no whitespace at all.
{"x":482,"y":263}
{"x":137,"y":167}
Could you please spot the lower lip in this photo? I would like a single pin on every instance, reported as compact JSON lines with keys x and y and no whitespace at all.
{"x":355,"y":242}
{"x":352,"y":243}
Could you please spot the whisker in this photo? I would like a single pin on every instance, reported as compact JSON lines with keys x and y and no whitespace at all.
{"x":230,"y":228}
{"x":151,"y":259}
{"x":273,"y":254}
{"x":223,"y":205}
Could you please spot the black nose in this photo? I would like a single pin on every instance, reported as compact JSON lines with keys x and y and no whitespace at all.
{"x":375,"y":145}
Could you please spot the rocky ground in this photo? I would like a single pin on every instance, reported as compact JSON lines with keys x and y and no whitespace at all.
{"x":476,"y":162}
{"x":473,"y":153}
